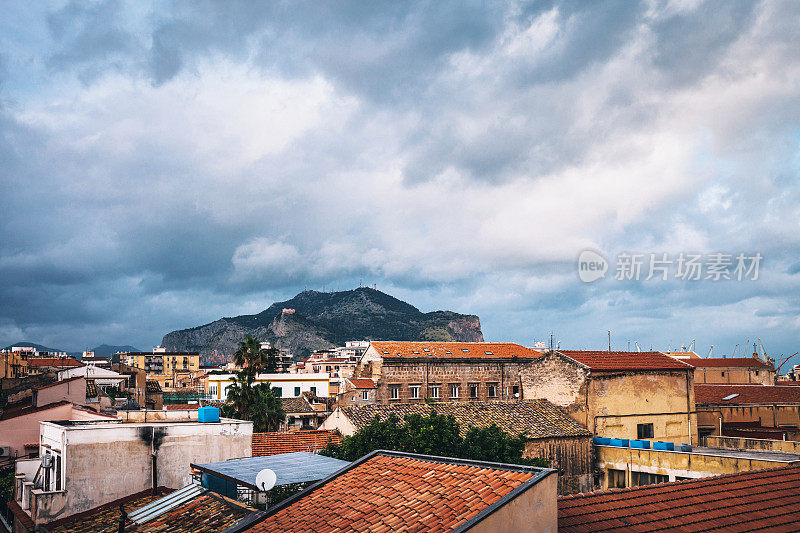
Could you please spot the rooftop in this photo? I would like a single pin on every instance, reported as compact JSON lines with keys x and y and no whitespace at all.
{"x":532,"y":418}
{"x":625,"y":361}
{"x":502,"y":350}
{"x":204,"y":512}
{"x":27,"y":408}
{"x":290,"y":468}
{"x":57,"y":362}
{"x":745,"y":394}
{"x":401,"y":492}
{"x":362,"y":383}
{"x":293,"y":441}
{"x":296,"y":405}
{"x":737,"y":362}
{"x":757,"y":500}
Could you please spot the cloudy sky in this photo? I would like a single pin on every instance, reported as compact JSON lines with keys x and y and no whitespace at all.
{"x":163,"y":164}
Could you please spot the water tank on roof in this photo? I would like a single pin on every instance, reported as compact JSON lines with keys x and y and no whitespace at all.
{"x":208,"y":414}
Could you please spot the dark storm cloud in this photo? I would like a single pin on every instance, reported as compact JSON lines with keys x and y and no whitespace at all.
{"x":458,"y":154}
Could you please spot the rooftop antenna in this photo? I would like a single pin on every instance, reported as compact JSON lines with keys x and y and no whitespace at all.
{"x":609,"y":340}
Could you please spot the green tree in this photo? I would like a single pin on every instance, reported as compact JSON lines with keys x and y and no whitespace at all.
{"x":255,"y":402}
{"x":255,"y":359}
{"x":433,"y":435}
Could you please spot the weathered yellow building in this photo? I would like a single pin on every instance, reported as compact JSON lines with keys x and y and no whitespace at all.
{"x":627,"y":395}
{"x":742,"y":370}
{"x":13,"y":364}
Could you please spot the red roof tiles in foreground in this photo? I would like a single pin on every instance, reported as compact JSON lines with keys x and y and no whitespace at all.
{"x":765,"y":500}
{"x":745,"y":394}
{"x":738,"y":362}
{"x":501,"y":350}
{"x":393,"y":491}
{"x":293,"y":441}
{"x":625,"y":361}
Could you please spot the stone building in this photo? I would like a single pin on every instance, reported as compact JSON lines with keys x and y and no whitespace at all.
{"x":551,"y":434}
{"x":740,"y":370}
{"x":410,"y":372}
{"x":749,"y":410}
{"x":626,"y":395}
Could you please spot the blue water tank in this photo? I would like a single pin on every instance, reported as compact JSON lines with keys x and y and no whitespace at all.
{"x":208,"y":414}
{"x":603,"y":441}
{"x":669,"y":446}
{"x":643,"y":444}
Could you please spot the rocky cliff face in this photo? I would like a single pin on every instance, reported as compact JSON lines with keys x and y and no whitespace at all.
{"x":323,"y":320}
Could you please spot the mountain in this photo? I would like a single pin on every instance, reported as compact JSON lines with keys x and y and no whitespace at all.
{"x":38,"y":347}
{"x":324,"y":320}
{"x":107,"y":350}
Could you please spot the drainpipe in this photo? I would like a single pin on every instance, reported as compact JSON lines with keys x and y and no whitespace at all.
{"x":153,"y":455}
{"x":688,"y":408}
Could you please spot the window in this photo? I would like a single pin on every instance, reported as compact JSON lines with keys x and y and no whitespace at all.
{"x":644,"y":478}
{"x":328,"y":368}
{"x":314,"y":391}
{"x":414,"y":391}
{"x":365,"y":395}
{"x":491,"y":390}
{"x":433,"y":391}
{"x":756,"y":372}
{"x":394,"y":392}
{"x":278,"y":391}
{"x":454,"y":390}
{"x":297,"y":391}
{"x":723,"y":373}
{"x":515,"y":391}
{"x":616,"y":479}
{"x":473,"y":390}
{"x":644,"y":431}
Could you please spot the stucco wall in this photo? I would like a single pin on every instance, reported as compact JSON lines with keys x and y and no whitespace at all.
{"x":536,"y":509}
{"x":676,"y":464}
{"x":768,"y":415}
{"x":560,"y":381}
{"x":104,"y":463}
{"x":21,"y":430}
{"x":734,"y":375}
{"x":73,"y":390}
{"x":742,"y":443}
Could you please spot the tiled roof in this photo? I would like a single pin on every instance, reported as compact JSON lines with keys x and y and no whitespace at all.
{"x":502,"y":350}
{"x":399,"y":492}
{"x":181,"y":406}
{"x":362,"y":383}
{"x":104,"y":518}
{"x":625,"y":361}
{"x":56,"y":362}
{"x":764,"y":500}
{"x":14,"y":412}
{"x":532,"y":418}
{"x":738,"y":362}
{"x":54,"y":383}
{"x":207,"y":512}
{"x":296,"y":405}
{"x":715,"y":394}
{"x":152,"y":386}
{"x":293,"y":441}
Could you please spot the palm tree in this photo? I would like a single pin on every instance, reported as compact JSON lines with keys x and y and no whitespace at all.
{"x":255,"y":359}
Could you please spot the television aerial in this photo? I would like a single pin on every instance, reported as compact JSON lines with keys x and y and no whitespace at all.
{"x":266,"y":479}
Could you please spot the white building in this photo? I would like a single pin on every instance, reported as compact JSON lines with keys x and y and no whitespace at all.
{"x":287,"y":385}
{"x":87,"y":463}
{"x":102,"y":378}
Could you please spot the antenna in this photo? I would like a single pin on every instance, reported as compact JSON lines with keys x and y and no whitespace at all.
{"x":609,"y":340}
{"x":266,"y":479}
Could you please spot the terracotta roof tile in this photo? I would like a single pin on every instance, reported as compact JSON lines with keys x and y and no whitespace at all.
{"x":398,"y":493}
{"x":181,"y":406}
{"x":749,"y":501}
{"x":532,"y":418}
{"x":738,"y":362}
{"x":453,"y":349}
{"x":746,"y":394}
{"x":207,"y":512}
{"x":293,"y":441}
{"x":625,"y":361}
{"x":362,"y":383}
{"x":55,"y":362}
{"x":296,"y":405}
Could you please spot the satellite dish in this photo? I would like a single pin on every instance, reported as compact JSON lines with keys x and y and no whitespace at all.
{"x":266,"y":479}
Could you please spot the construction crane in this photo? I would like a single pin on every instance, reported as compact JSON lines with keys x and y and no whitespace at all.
{"x":709,"y":352}
{"x":784,"y":362}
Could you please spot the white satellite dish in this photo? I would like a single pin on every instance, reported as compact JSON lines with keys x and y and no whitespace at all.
{"x":266,"y":479}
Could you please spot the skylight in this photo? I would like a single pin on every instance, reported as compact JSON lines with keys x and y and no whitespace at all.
{"x":464,"y":350}
{"x":730,"y":396}
{"x":488,"y":353}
